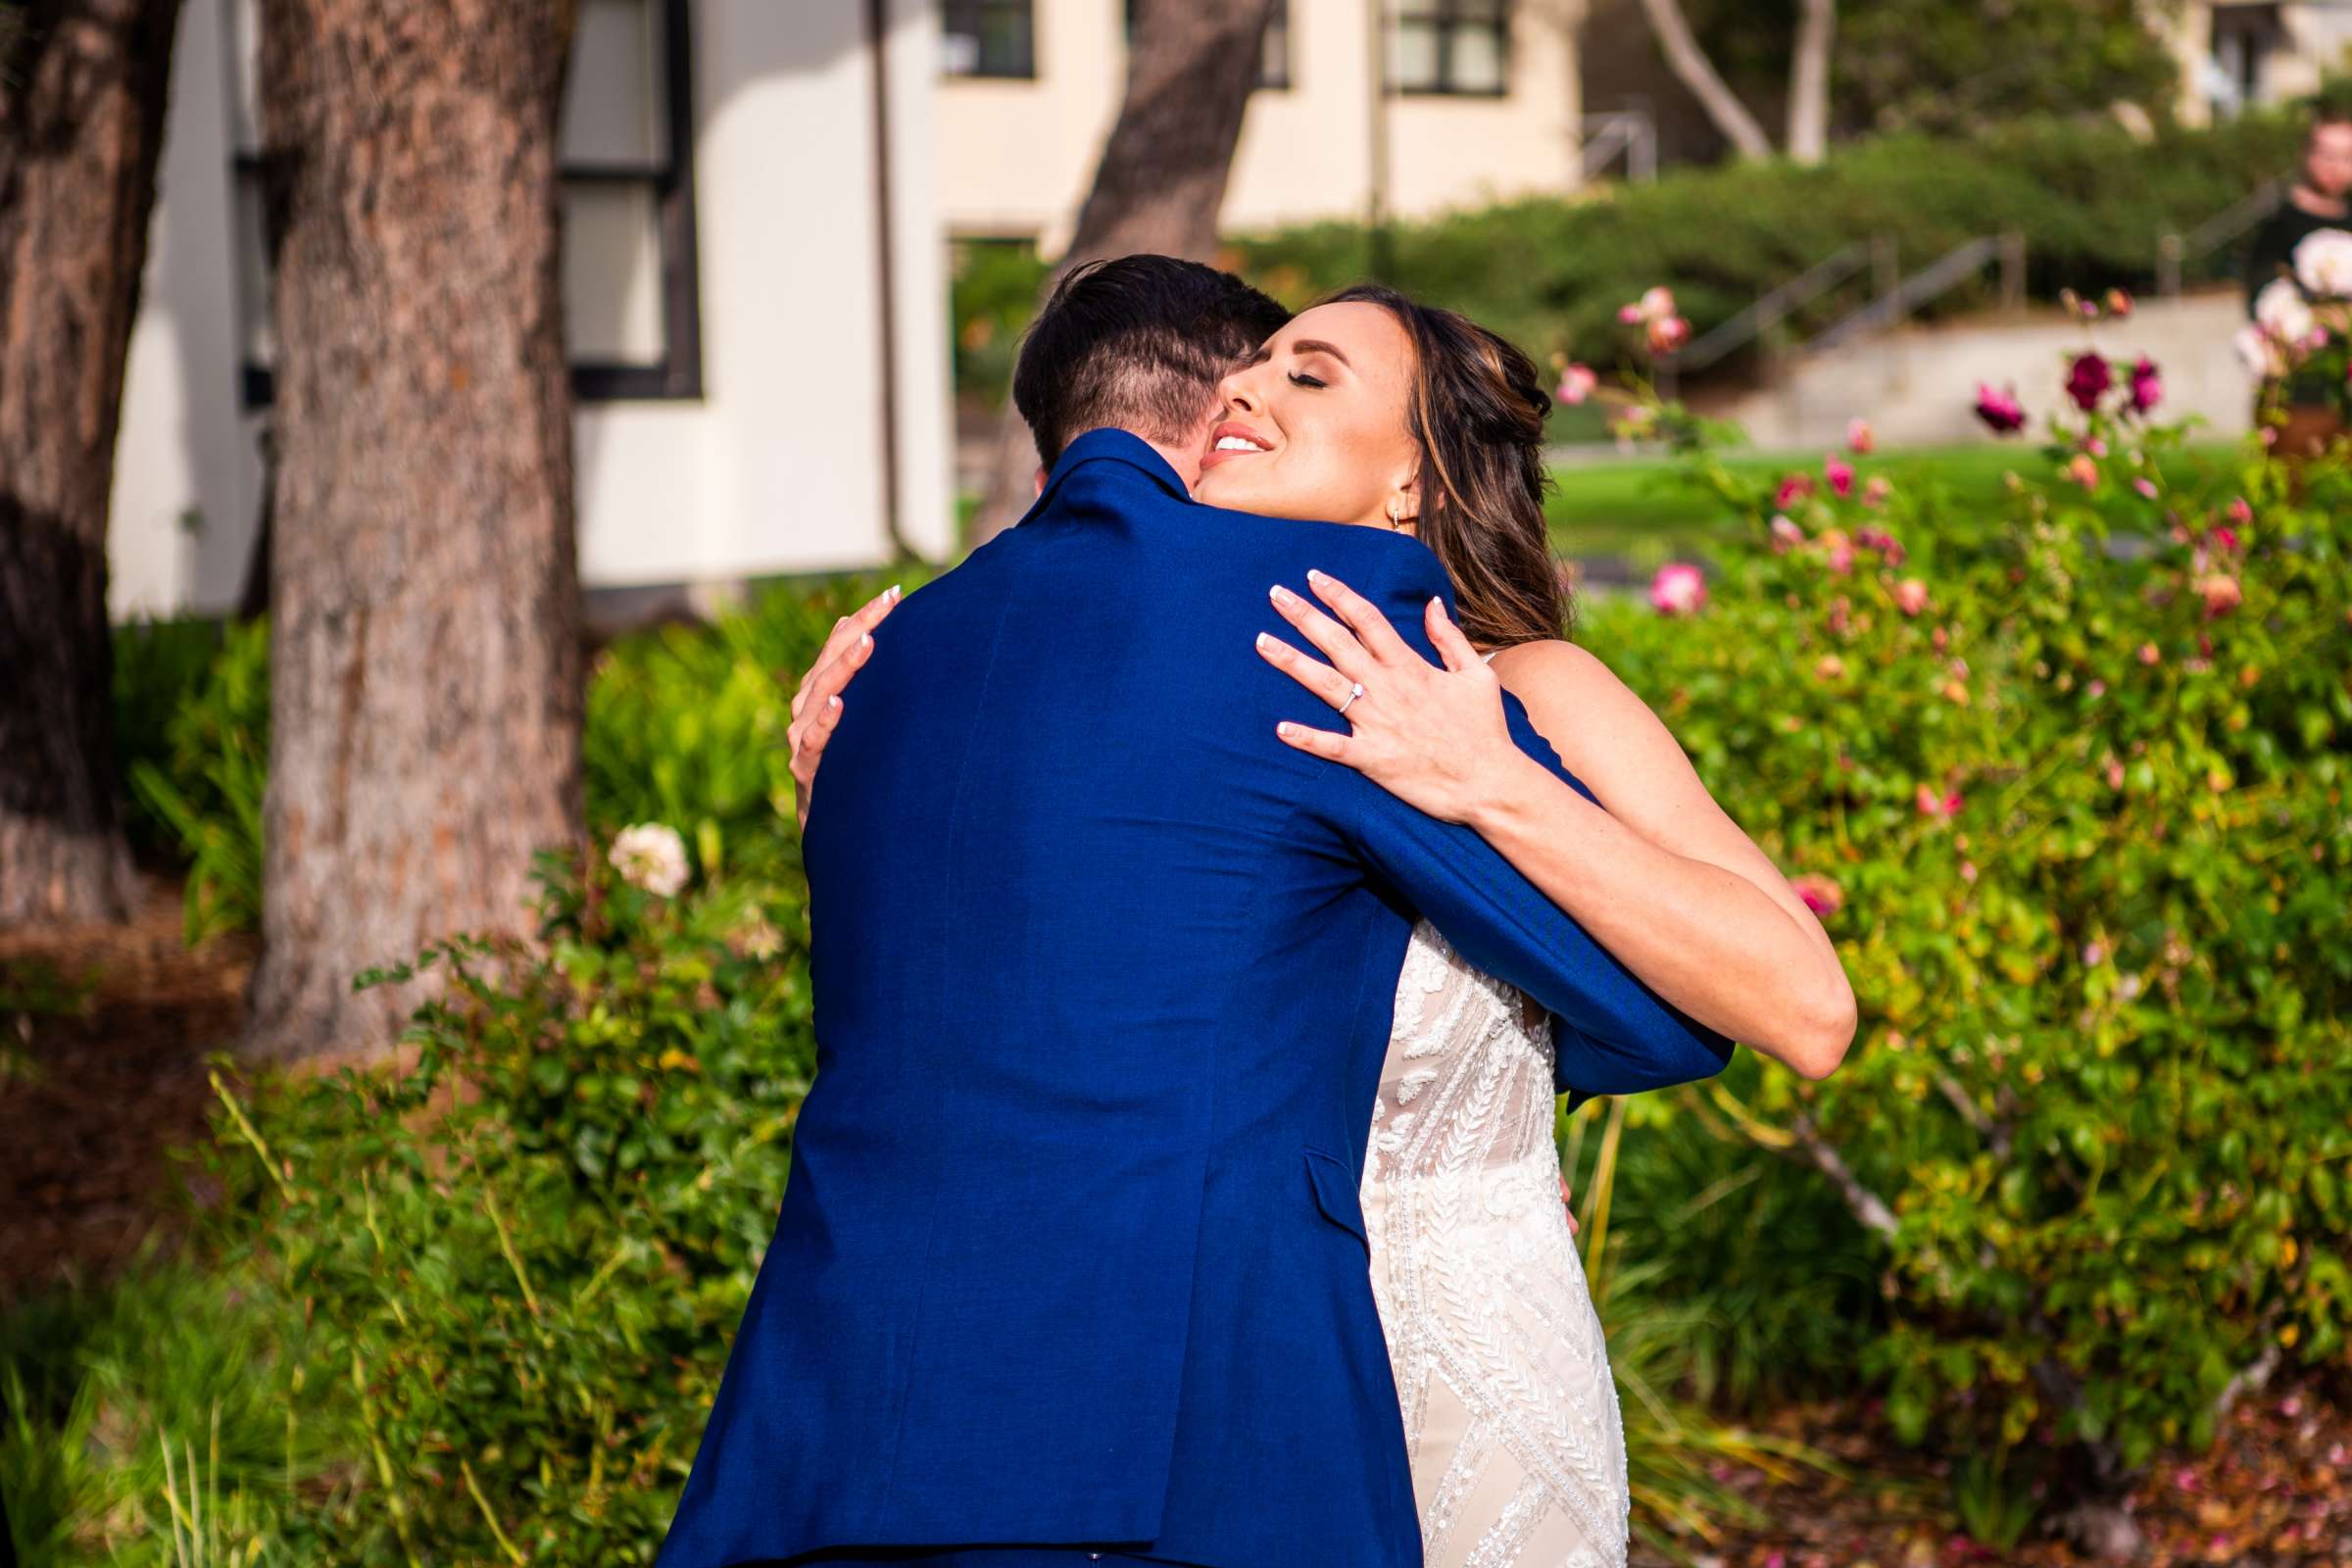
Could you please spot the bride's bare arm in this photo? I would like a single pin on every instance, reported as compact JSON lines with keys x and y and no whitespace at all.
{"x":1663,"y":877}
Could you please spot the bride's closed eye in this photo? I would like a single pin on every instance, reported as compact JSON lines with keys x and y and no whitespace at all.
{"x":1301,"y":378}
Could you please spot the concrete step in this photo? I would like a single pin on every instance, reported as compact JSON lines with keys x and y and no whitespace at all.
{"x":1917,"y":386}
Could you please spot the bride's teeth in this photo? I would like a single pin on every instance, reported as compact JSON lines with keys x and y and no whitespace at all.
{"x":1234,"y":443}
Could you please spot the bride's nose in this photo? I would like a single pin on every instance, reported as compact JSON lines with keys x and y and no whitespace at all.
{"x":1238,"y":392}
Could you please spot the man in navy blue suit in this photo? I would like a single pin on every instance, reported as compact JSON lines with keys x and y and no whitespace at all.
{"x":1070,"y":1266}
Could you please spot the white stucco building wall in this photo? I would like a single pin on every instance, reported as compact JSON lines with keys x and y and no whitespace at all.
{"x":1015,"y":154}
{"x":821,"y":410}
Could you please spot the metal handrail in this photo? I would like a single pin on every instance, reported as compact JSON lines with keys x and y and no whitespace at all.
{"x":1949,"y":271}
{"x":2172,"y":250}
{"x":1621,"y":131}
{"x":1772,"y":309}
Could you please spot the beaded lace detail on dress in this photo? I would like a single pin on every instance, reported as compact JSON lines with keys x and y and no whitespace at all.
{"x":1510,"y":1414}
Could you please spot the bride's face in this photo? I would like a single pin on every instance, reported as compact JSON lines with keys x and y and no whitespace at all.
{"x":1314,"y":424}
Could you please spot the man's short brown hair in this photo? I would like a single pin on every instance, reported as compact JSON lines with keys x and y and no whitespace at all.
{"x":1135,"y":343}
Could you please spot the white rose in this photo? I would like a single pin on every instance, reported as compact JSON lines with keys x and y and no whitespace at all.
{"x":650,"y":855}
{"x":2259,"y":352}
{"x":2281,"y":309}
{"x":2322,"y":261}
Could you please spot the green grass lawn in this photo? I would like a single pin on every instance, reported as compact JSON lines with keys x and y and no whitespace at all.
{"x":1640,"y":509}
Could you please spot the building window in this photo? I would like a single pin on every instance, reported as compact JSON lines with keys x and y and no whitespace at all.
{"x":1274,"y":56}
{"x":1456,"y":47}
{"x":632,"y":310}
{"x":987,"y":38}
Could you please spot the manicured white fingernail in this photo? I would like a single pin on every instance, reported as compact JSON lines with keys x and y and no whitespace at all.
{"x":1281,"y":595}
{"x":1286,"y":730}
{"x":866,"y":641}
{"x":1312,"y":575}
{"x":893,"y":593}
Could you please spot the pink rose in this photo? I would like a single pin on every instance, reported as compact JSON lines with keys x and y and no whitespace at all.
{"x":1576,"y":384}
{"x":1931,"y":803}
{"x":2087,"y":380}
{"x":1821,"y":894}
{"x":2226,"y":537}
{"x":1839,"y":473}
{"x":1676,"y":589}
{"x":2220,"y":592}
{"x":2241,"y":512}
{"x":1667,"y":333}
{"x":1876,"y":489}
{"x":1629,"y":314}
{"x":1792,"y":489}
{"x":1911,"y":596}
{"x":2083,"y":471}
{"x":2000,"y":410}
{"x":2147,"y":387}
{"x":1859,"y":436}
{"x":1656,"y":300}
{"x":1838,"y":549}
{"x":2145,"y":486}
{"x":1785,"y":535}
{"x":2148,"y":654}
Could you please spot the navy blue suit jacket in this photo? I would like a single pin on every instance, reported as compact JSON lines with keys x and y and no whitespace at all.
{"x":1071,"y":1251}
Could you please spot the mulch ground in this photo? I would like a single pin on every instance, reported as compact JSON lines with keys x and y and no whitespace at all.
{"x":93,"y":1102}
{"x":2275,"y":1492}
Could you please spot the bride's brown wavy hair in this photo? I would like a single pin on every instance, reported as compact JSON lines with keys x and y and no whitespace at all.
{"x":1476,"y":412}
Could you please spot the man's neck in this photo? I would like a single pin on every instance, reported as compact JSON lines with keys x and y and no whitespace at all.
{"x":1184,"y":459}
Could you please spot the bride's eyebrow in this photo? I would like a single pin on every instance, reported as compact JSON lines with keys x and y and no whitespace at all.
{"x":1308,"y":345}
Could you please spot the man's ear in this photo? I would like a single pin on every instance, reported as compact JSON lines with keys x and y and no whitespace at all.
{"x":1038,"y":483}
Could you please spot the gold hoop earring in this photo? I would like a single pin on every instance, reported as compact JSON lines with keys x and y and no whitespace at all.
{"x":1396,"y":512}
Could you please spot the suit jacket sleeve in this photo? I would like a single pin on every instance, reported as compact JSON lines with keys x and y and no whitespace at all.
{"x":1612,"y":1034}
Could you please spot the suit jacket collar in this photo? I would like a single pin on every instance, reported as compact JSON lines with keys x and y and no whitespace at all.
{"x":1108,"y":445}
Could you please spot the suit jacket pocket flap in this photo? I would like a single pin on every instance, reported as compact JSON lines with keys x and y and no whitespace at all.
{"x":1336,"y":1192}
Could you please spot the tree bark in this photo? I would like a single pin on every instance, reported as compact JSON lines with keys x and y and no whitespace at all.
{"x":425,"y":658}
{"x":1809,"y":81}
{"x":1162,"y":175}
{"x":1690,"y":64}
{"x":83,"y":89}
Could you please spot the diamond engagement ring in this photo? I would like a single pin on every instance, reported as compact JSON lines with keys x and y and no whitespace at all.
{"x":1356,"y":689}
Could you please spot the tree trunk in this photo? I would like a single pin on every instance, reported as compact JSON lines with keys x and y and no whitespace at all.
{"x":425,"y":658}
{"x":1161,"y":181}
{"x":81,"y":128}
{"x":1809,"y":82}
{"x":1689,"y":64}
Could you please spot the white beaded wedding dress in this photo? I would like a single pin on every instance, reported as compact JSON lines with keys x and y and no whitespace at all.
{"x":1510,"y":1413}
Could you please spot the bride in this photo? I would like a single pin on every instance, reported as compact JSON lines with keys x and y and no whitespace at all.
{"x":1371,"y":408}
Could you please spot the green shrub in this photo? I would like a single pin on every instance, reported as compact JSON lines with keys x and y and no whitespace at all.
{"x":2082,"y":820}
{"x":205,"y":791}
{"x":161,"y":667}
{"x":1550,"y":273}
{"x":520,"y":1257}
{"x":686,"y":725}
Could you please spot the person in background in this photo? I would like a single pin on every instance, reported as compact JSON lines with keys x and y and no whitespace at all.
{"x":2317,"y":198}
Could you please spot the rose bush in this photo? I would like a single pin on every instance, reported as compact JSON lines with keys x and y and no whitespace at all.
{"x":2070,"y":793}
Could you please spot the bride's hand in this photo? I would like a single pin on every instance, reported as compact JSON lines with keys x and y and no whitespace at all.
{"x":817,"y":705}
{"x":1433,"y":736}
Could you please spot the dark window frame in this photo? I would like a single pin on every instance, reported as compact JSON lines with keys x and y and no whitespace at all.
{"x":677,"y":377}
{"x":973,"y":13}
{"x":1278,"y":27}
{"x":1445,"y":20}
